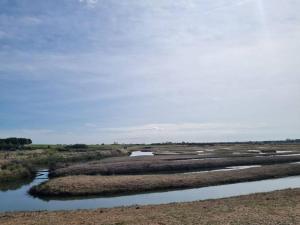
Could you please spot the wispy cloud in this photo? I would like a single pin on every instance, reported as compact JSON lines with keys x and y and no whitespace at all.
{"x":157,"y":63}
{"x":89,"y":3}
{"x":146,"y":133}
{"x":31,"y":20}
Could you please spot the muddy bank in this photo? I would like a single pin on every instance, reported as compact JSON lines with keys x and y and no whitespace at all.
{"x":84,"y":185}
{"x":279,"y":207}
{"x":154,"y":165}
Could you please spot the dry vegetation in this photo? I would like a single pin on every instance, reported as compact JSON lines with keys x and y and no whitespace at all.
{"x":223,"y":150}
{"x":156,"y":164}
{"x":20,"y":164}
{"x":13,"y":170}
{"x":48,"y":156}
{"x":111,"y":185}
{"x":280,"y":207}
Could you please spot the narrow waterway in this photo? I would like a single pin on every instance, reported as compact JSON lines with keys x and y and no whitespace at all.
{"x":17,"y":198}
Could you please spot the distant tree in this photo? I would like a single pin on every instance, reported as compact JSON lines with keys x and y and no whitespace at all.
{"x":77,"y":146}
{"x":13,"y":143}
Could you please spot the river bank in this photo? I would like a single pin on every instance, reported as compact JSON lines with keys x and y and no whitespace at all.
{"x":278,"y":207}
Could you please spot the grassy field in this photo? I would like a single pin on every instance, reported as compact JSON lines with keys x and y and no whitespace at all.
{"x":279,"y":207}
{"x":112,"y":185}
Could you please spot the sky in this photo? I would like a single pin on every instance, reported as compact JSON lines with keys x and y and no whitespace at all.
{"x":104,"y":71}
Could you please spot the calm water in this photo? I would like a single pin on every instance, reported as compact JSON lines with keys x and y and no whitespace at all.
{"x":19,"y":200}
{"x":140,"y":153}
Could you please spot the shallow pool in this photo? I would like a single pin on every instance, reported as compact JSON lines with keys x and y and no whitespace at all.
{"x":140,"y":153}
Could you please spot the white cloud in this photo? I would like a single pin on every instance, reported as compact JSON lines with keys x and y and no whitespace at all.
{"x":183,"y":127}
{"x":89,"y":3}
{"x":165,"y":61}
{"x":31,"y":20}
{"x":90,"y":125}
{"x":92,"y":133}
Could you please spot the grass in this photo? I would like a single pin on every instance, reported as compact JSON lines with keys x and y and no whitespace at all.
{"x":112,"y":185}
{"x":13,"y":170}
{"x":158,"y":164}
{"x":47,"y":156}
{"x":224,"y":149}
{"x":20,"y":164}
{"x":279,"y":207}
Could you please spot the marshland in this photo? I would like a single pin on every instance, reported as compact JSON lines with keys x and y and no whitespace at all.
{"x":95,"y":171}
{"x":78,"y":177}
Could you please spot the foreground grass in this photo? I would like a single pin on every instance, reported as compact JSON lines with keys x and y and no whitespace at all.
{"x":111,"y":185}
{"x":279,"y":207}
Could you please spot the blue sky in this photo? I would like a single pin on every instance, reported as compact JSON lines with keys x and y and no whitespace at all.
{"x":148,"y":71}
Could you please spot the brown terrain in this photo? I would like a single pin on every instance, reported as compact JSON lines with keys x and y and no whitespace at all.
{"x":82,"y":185}
{"x":173,"y":166}
{"x":157,"y":165}
{"x":274,"y":208}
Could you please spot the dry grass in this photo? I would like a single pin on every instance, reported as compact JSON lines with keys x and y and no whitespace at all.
{"x":224,"y":149}
{"x":158,"y":164}
{"x":280,"y":207}
{"x":13,"y":170}
{"x":110,"y":185}
{"x":16,"y":165}
{"x":53,"y":155}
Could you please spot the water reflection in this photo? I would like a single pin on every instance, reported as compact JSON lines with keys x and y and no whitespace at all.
{"x":141,"y":153}
{"x":20,"y":200}
{"x":14,"y":185}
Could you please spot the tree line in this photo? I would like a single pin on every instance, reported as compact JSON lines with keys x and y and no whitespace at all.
{"x":14,"y":143}
{"x":287,"y":141}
